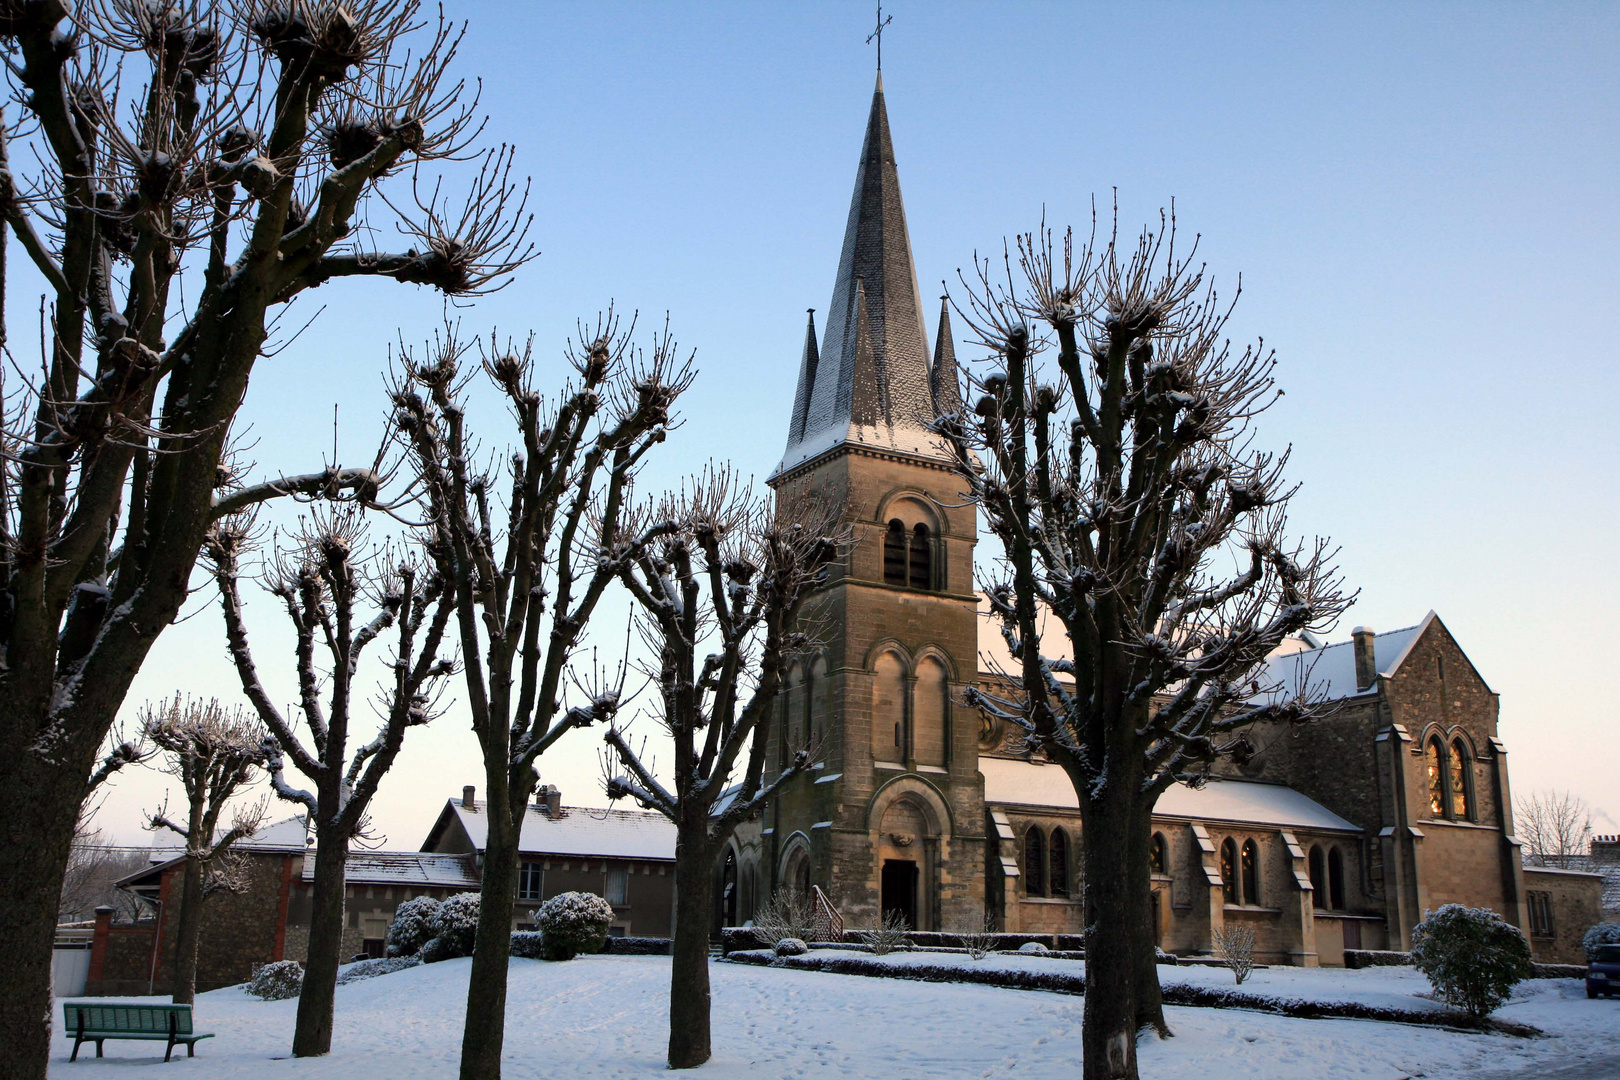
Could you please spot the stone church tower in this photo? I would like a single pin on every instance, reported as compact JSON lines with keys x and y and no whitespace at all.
{"x":893,"y":816}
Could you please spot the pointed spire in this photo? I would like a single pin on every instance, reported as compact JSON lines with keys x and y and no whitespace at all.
{"x":873,"y":381}
{"x":947,"y":390}
{"x":807,"y":381}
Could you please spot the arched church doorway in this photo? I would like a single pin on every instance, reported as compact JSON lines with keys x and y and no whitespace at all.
{"x":907,"y":849}
{"x":726,"y":894}
{"x":899,"y":886}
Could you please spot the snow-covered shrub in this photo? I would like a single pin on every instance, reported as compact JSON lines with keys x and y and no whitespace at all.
{"x":1604,"y":933}
{"x":434,"y":950}
{"x":788,"y":915}
{"x":982,"y":942}
{"x":370,"y":969}
{"x":1234,"y":945}
{"x":456,"y":923}
{"x":1472,"y":957}
{"x":277,"y":981}
{"x":528,"y":945}
{"x":1033,"y":948}
{"x":412,"y":926}
{"x":889,"y":935}
{"x":791,"y":946}
{"x":571,"y":923}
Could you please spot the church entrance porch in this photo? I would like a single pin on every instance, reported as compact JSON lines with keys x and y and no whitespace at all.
{"x":899,"y":886}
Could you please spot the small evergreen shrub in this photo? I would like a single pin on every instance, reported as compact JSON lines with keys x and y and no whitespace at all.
{"x":1472,"y":957}
{"x":434,"y":950}
{"x":1604,"y":933}
{"x":370,"y":969}
{"x":528,"y":945}
{"x":412,"y":926}
{"x":572,"y":923}
{"x":791,"y":946}
{"x":1033,"y":948}
{"x":277,"y":981}
{"x":456,"y":923}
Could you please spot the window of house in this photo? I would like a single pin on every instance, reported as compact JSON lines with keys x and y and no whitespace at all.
{"x":1335,"y":866}
{"x":920,"y":572}
{"x":1060,"y":863}
{"x":1541,"y":916}
{"x":1460,"y":808}
{"x":894,"y":553}
{"x":1318,"y":869}
{"x":618,"y":886}
{"x":1229,"y":877}
{"x":1251,"y":872}
{"x":1434,"y":766}
{"x":531,"y":881}
{"x":1159,"y":854}
{"x":1034,"y":862}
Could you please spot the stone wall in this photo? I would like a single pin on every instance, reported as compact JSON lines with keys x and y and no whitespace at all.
{"x":1576,"y":901}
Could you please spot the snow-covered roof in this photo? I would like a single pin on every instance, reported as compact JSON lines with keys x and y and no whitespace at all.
{"x":1607,"y":869}
{"x":994,"y":657}
{"x":1247,"y":802}
{"x":288,"y":834}
{"x":623,"y":834}
{"x":1329,"y":672}
{"x":418,"y":868}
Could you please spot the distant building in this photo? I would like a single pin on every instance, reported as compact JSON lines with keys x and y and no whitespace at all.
{"x":1335,"y":835}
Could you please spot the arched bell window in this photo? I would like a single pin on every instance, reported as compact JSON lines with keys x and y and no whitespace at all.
{"x":1159,"y":854}
{"x":1335,"y":867}
{"x":1318,"y":867}
{"x":920,"y":574}
{"x":1034,"y":862}
{"x":1434,"y":768}
{"x":1461,"y":807}
{"x":1251,"y":872}
{"x":894,"y":553}
{"x":1059,"y":876}
{"x":1229,"y":871}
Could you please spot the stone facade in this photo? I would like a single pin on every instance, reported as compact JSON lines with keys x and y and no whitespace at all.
{"x":1562,"y":905}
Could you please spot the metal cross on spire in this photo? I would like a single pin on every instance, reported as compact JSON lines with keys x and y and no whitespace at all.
{"x":877,"y":35}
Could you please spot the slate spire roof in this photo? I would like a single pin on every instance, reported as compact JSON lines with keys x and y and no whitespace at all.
{"x":871,"y":383}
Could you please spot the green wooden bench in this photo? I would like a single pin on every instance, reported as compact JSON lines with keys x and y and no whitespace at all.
{"x":89,"y":1021}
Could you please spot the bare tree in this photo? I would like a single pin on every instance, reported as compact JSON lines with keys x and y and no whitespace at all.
{"x":175,"y":172}
{"x":526,"y":577}
{"x":1129,"y":502}
{"x":96,"y":863}
{"x":214,"y":752}
{"x":1234,"y":945}
{"x":720,"y":590}
{"x":325,"y":584}
{"x":1556,"y":827}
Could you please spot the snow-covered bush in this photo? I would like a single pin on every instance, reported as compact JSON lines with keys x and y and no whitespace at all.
{"x":277,"y":981}
{"x":1472,"y":957}
{"x":889,"y":935}
{"x":370,"y":969}
{"x":982,"y":942}
{"x":456,"y":924}
{"x":434,"y":950}
{"x":791,"y":946}
{"x":788,"y":915}
{"x":1604,"y":933}
{"x":1234,"y":945}
{"x":571,"y":923}
{"x":528,"y":945}
{"x":412,"y":926}
{"x":1033,"y":948}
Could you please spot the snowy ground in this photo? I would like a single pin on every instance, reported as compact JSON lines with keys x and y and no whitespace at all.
{"x":602,"y":1017}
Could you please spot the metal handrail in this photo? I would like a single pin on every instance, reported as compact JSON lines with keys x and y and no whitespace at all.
{"x":828,"y":923}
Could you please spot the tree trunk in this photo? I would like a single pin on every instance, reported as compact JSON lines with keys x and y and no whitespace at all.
{"x":1113,"y":958}
{"x":313,"y":1034}
{"x":188,"y":932}
{"x":1149,"y":999}
{"x":36,"y":836}
{"x":689,"y":1044}
{"x":485,"y":1032}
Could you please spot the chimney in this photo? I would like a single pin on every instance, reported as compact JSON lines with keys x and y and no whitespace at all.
{"x":1366,"y":664}
{"x":467,"y":799}
{"x":1606,"y":848}
{"x":550,"y":799}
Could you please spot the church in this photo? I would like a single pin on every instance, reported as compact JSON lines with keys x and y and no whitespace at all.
{"x":1335,"y":836}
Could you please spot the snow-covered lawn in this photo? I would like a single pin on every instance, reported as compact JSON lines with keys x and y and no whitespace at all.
{"x":604,"y":1016}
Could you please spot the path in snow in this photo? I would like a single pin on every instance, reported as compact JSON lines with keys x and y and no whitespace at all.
{"x":602,"y":1017}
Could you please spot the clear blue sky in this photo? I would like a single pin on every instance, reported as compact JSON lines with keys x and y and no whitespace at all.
{"x":1421,"y":201}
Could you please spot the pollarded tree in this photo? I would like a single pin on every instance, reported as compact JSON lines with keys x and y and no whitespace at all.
{"x":720,"y":592}
{"x":326,"y":585}
{"x":1129,"y":501}
{"x":174,"y":173}
{"x":214,"y":752}
{"x":526,"y":577}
